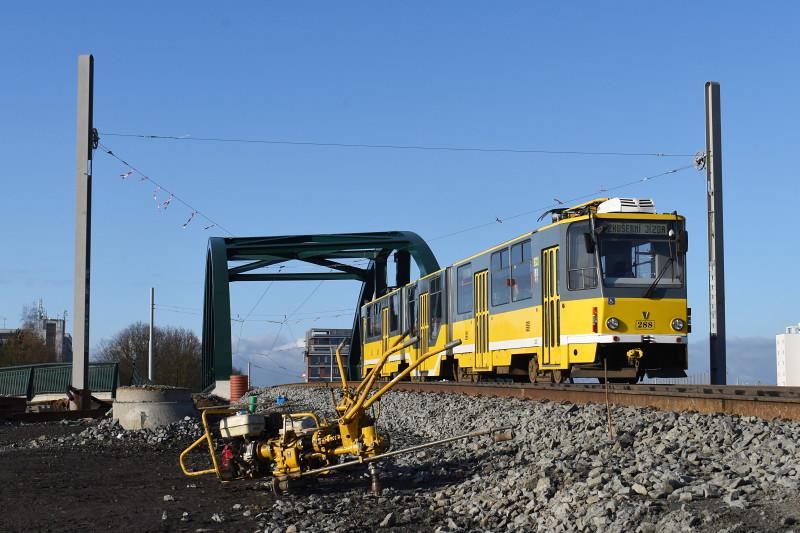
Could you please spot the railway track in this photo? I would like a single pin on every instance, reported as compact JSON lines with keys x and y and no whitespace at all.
{"x":763,"y":402}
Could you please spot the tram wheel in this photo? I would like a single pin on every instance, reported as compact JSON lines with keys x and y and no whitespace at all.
{"x":557,"y":376}
{"x":456,"y":371}
{"x":464,"y":375}
{"x":533,"y":369}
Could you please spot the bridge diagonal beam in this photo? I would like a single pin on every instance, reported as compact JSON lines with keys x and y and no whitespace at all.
{"x":273,"y":260}
{"x":336,"y":265}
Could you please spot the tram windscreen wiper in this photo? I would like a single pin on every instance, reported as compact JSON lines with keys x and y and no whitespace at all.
{"x":653,"y":285}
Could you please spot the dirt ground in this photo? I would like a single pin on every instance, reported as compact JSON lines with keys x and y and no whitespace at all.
{"x":114,"y":488}
{"x":121,"y":487}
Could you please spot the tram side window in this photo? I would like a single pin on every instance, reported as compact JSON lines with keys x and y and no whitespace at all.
{"x":394,"y":314}
{"x":521,"y":271}
{"x":464,"y":294}
{"x":436,"y":309}
{"x":582,"y":269}
{"x":375,"y":320}
{"x":412,"y":310}
{"x":501,"y":279}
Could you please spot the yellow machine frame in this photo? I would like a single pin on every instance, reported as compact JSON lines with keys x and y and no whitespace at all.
{"x":352,"y":434}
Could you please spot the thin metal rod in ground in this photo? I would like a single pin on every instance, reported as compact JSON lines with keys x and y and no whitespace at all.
{"x":410,"y":449}
{"x":608,"y":405}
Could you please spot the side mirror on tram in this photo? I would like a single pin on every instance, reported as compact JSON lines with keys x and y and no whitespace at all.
{"x":683,"y":241}
{"x":588,"y":242}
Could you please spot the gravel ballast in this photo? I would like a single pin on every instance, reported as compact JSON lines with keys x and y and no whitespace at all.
{"x":660,"y":472}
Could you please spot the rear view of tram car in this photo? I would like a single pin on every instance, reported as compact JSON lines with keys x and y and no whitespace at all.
{"x":600,"y":292}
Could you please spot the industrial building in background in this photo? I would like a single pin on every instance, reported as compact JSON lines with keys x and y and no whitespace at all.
{"x":320,"y":353}
{"x":53,"y":333}
{"x":787,"y":351}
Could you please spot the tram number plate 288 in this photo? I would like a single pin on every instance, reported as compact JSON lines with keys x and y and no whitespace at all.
{"x":645,"y":324}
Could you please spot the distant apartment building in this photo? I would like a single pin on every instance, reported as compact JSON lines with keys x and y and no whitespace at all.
{"x":787,"y":351}
{"x":320,"y":353}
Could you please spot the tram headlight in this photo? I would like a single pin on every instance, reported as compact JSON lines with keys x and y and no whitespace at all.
{"x":612,"y":323}
{"x":678,"y":324}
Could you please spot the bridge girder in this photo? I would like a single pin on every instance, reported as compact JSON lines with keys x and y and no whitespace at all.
{"x":315,"y":249}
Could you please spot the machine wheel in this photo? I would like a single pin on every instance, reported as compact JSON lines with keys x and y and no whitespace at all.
{"x":279,"y":486}
{"x":557,"y":376}
{"x":533,"y":369}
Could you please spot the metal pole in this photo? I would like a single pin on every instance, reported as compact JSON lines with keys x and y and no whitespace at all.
{"x":150,"y":369}
{"x":83,"y":231}
{"x":330,"y":349}
{"x":716,"y":258}
{"x":249,"y":375}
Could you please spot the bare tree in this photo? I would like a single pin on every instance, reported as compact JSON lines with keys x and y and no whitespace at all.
{"x":177,"y":356}
{"x":25,"y":347}
{"x":29,"y":318}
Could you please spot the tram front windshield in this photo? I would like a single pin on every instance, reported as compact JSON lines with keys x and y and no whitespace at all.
{"x":638,"y":253}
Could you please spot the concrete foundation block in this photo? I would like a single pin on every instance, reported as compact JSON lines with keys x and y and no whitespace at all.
{"x":151,"y":407}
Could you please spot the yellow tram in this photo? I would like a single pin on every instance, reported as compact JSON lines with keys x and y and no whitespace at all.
{"x":600,"y":292}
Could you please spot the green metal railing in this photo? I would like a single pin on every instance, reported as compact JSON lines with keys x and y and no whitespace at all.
{"x":55,"y":378}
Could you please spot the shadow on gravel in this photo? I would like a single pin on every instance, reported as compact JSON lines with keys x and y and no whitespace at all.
{"x":424,"y":475}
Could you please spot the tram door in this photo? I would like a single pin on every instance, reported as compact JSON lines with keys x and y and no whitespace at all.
{"x":385,"y":329}
{"x":424,"y":324}
{"x":481,"y":292}
{"x":551,"y":308}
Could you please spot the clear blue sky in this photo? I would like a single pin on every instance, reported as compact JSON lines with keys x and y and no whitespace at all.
{"x":589,"y":76}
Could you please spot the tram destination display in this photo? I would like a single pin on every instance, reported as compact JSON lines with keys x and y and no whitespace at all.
{"x":640,"y":228}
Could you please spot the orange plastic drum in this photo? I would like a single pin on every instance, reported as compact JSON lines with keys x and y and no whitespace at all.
{"x":239,"y":386}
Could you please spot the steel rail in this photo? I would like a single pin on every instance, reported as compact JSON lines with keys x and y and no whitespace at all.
{"x":769,"y":403}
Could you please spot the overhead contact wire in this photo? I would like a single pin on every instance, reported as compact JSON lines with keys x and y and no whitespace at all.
{"x":396,"y":146}
{"x":500,"y":220}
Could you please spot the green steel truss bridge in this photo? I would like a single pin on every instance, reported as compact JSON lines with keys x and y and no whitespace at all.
{"x":245,"y":258}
